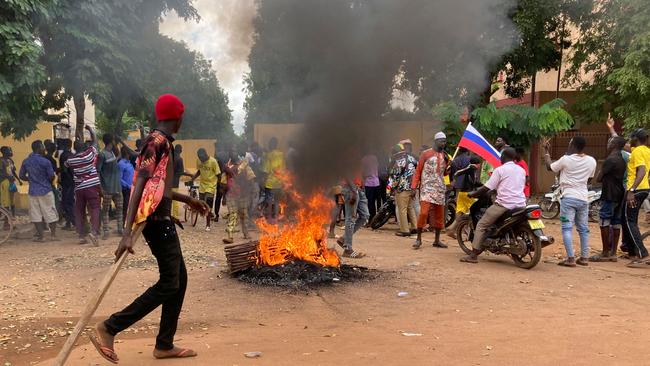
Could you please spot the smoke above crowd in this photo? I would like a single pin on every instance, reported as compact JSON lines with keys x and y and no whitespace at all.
{"x":341,"y":61}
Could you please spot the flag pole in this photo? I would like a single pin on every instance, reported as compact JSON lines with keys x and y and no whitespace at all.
{"x":458,"y":147}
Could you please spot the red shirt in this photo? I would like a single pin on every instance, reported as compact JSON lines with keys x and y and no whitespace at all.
{"x":523,"y":164}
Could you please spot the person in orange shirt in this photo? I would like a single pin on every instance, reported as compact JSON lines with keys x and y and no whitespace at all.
{"x":430,"y":179}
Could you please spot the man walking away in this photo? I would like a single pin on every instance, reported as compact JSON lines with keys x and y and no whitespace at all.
{"x":238,"y":198}
{"x":67,"y":185}
{"x":86,"y":187}
{"x":575,"y":169}
{"x":38,"y":171}
{"x":273,"y":166}
{"x":508,"y":180}
{"x":126,"y":180}
{"x":637,"y":191}
{"x":430,"y":177}
{"x":356,"y":215}
{"x":371,"y":184}
{"x":109,"y":176}
{"x":151,"y":205}
{"x":611,"y":175}
{"x":208,"y":170}
{"x":399,"y":182}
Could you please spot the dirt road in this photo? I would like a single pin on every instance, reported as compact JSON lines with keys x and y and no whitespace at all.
{"x":491,"y":313}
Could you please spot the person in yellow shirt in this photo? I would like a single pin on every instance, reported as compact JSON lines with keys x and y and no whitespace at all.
{"x":274,"y":168}
{"x":208,"y":170}
{"x":637,"y":191}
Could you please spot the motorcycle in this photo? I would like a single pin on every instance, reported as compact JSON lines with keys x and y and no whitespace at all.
{"x":550,"y":204}
{"x":518,"y":233}
{"x":387,"y":210}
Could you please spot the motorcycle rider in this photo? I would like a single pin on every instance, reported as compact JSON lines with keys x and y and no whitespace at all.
{"x":509,"y":181}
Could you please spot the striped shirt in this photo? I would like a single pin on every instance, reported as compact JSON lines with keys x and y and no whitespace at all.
{"x":84,"y":169}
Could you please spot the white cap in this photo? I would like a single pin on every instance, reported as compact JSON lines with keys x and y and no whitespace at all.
{"x":440,"y":135}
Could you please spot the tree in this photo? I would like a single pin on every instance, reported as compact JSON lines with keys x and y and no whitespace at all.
{"x":22,"y":76}
{"x":614,"y":52}
{"x":523,"y":125}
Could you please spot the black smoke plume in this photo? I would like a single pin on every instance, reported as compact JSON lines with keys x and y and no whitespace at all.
{"x":339,"y":61}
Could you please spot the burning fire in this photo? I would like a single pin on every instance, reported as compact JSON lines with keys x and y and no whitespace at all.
{"x":303,"y":236}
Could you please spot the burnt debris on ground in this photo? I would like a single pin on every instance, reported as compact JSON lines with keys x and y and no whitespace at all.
{"x":299,"y":274}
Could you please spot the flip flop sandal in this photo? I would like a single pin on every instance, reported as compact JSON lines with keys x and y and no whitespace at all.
{"x":440,"y":245}
{"x":107,"y":353}
{"x":417,"y":244}
{"x":183,"y":353}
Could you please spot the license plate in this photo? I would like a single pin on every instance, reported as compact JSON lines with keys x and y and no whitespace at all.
{"x":536,"y":224}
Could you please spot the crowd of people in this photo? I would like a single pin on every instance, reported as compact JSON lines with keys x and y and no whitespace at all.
{"x":95,"y":183}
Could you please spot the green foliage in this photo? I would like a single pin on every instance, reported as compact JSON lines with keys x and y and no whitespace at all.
{"x":614,"y":51}
{"x":449,"y":114}
{"x":22,"y":77}
{"x":523,"y":125}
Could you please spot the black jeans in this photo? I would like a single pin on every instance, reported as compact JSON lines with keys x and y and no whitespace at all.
{"x":126,"y":196}
{"x":67,"y":203}
{"x":631,"y":234}
{"x":169,"y":291}
{"x":374,"y":200}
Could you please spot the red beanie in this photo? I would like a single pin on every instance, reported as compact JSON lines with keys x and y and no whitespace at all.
{"x":169,"y":107}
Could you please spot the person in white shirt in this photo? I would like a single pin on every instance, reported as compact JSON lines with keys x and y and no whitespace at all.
{"x":509,"y":181}
{"x":575,"y":169}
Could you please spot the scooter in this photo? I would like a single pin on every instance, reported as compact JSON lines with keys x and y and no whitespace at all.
{"x":550,"y":204}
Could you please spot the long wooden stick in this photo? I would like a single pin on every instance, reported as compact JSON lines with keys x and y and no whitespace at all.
{"x":94,"y":302}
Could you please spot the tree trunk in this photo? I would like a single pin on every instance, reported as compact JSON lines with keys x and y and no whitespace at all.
{"x":532,"y":90}
{"x":80,"y":107}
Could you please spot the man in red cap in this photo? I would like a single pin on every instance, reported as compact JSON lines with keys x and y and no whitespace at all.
{"x":151,"y":205}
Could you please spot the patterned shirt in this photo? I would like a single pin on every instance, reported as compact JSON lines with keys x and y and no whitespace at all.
{"x":152,"y":162}
{"x":84,"y":169}
{"x":402,"y":172}
{"x":430,"y":175}
{"x":39,"y":172}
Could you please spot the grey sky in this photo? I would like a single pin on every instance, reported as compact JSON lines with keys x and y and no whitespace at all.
{"x":224,"y":36}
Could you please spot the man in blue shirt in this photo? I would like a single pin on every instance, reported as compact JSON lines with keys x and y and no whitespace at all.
{"x":38,"y":171}
{"x":126,"y":179}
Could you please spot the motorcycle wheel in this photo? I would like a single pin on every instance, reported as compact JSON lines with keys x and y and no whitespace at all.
{"x":550,"y":209}
{"x":464,"y":234}
{"x":381,"y":218}
{"x":594,"y":210}
{"x":534,"y":254}
{"x":450,"y":213}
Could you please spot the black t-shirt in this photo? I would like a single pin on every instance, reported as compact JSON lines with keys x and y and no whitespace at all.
{"x":179,"y":169}
{"x":67,"y":178}
{"x":613,"y":172}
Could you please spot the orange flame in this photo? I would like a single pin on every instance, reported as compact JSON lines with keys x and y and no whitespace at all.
{"x":303,"y":236}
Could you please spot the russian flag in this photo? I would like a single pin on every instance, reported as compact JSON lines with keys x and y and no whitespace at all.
{"x":473,"y":141}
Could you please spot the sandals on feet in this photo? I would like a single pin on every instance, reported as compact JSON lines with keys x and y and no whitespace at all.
{"x":107,"y":353}
{"x":417,"y":244}
{"x":440,"y":245}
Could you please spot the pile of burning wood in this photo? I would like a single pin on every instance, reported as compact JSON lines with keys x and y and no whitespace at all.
{"x":294,"y":250}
